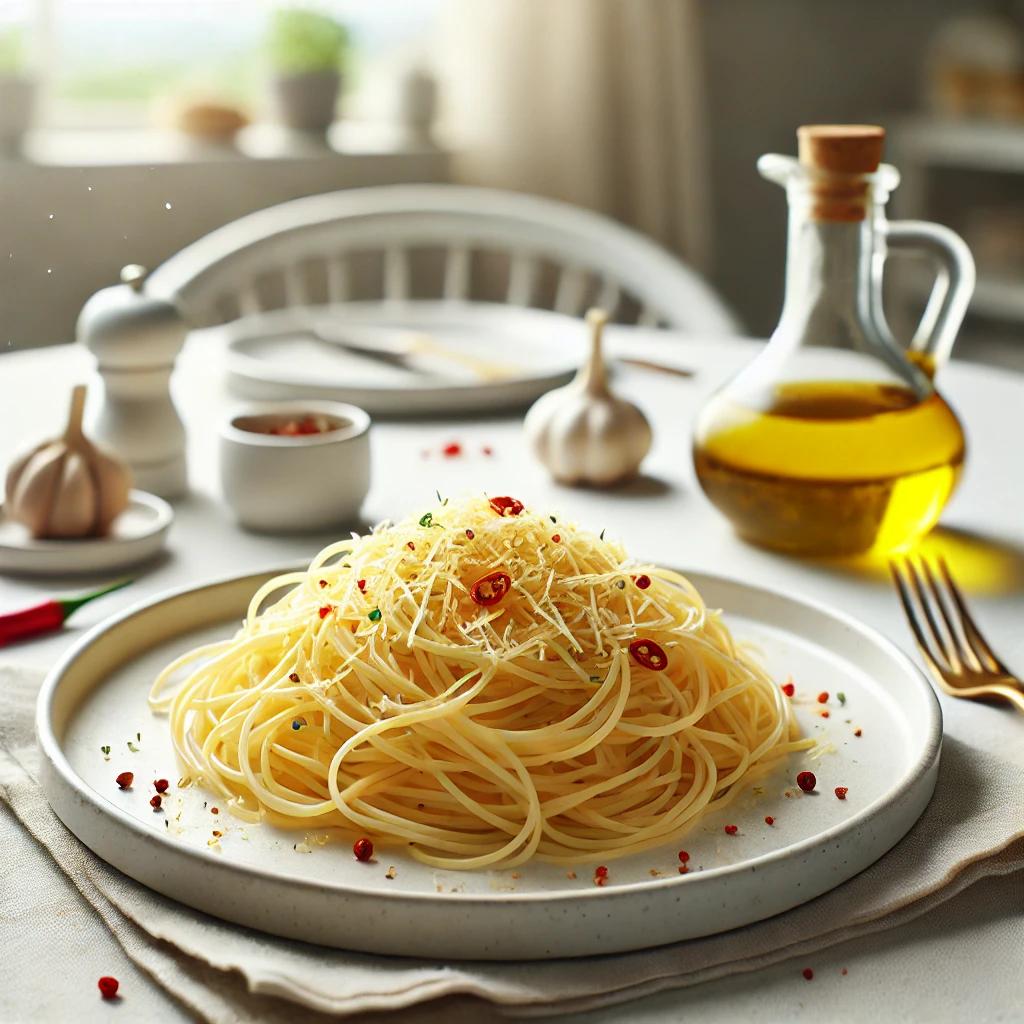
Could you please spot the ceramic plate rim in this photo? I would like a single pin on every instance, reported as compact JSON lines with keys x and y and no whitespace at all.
{"x":52,"y":750}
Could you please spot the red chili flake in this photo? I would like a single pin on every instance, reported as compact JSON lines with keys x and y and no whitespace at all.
{"x":841,"y":792}
{"x":769,"y":820}
{"x":731,"y":830}
{"x":683,"y":856}
{"x":470,"y":534}
{"x":362,"y":849}
{"x":808,"y":973}
{"x":323,"y":583}
{"x":643,"y":582}
{"x":325,"y":611}
{"x":361,"y":584}
{"x":410,"y":545}
{"x":215,"y":810}
{"x":490,"y":589}
{"x":858,"y":732}
{"x":452,"y":449}
{"x":806,"y":781}
{"x":487,"y":450}
{"x":125,"y":780}
{"x":294,"y":677}
{"x":844,"y":972}
{"x":823,"y":697}
{"x":600,"y":875}
{"x":155,"y":802}
{"x":161,"y":785}
{"x":788,"y":689}
{"x":556,"y":537}
{"x":108,"y":986}
{"x":648,"y":654}
{"x":505,"y":506}
{"x":826,"y":714}
{"x":683,"y":869}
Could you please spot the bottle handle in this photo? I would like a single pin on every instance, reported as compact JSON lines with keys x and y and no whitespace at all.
{"x":951,"y":292}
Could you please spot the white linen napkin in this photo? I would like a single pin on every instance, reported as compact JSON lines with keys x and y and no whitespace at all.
{"x":968,"y":832}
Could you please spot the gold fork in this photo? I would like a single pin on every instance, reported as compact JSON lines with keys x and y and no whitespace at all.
{"x":959,"y":657}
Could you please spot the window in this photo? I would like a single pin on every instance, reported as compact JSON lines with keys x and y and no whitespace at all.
{"x":113,"y":63}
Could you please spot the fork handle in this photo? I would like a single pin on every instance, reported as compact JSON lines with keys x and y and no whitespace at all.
{"x":1013,"y":695}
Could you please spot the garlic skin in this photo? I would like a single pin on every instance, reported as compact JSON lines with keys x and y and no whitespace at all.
{"x":583,"y":433}
{"x":67,"y":487}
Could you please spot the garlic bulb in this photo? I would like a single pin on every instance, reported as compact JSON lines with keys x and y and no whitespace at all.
{"x":67,"y":487}
{"x":583,"y":433}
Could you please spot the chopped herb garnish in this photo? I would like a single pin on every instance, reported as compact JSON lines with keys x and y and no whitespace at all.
{"x":374,"y":616}
{"x":602,"y":535}
{"x":427,"y":519}
{"x":621,"y":584}
{"x":553,"y":519}
{"x":138,"y":737}
{"x":131,"y":746}
{"x":440,"y":500}
{"x":105,"y":749}
{"x":842,"y":698}
{"x":595,"y":679}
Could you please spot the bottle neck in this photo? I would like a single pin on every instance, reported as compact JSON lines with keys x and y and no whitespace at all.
{"x":828,"y":280}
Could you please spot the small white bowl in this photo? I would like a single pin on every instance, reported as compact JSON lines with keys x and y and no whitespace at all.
{"x":285,"y":484}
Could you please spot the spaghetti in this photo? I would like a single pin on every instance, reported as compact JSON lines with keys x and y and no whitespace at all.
{"x":482,"y":685}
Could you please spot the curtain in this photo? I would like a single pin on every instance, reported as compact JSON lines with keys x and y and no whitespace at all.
{"x":596,"y":102}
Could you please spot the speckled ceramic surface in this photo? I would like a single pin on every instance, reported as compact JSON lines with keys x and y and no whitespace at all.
{"x":308,"y":886}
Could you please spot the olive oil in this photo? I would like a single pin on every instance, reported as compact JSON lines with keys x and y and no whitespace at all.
{"x":830,"y":467}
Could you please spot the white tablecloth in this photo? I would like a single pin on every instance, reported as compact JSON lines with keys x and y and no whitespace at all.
{"x":663,"y":517}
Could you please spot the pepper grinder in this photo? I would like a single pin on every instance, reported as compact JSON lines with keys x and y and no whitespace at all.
{"x":136,"y":339}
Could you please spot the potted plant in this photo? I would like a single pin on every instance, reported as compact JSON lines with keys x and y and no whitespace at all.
{"x":307,"y":50}
{"x":17,"y":92}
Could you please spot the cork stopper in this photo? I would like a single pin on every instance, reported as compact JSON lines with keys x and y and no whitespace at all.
{"x":840,"y":154}
{"x":841,"y":148}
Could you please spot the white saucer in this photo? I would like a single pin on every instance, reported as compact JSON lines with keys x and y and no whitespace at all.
{"x":138,"y":533}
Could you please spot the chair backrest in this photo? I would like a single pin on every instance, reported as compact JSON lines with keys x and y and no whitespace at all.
{"x":539,"y":252}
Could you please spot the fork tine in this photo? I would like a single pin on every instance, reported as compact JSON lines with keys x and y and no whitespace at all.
{"x":903,"y":589}
{"x":948,"y":649}
{"x":963,"y":651}
{"x":985,"y":655}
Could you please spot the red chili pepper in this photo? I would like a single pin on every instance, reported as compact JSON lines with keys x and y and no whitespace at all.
{"x":683,"y":856}
{"x":108,"y":987}
{"x":841,"y":792}
{"x":161,"y":785}
{"x":649,"y":654}
{"x":506,"y":506}
{"x":731,"y":830}
{"x":490,"y":589}
{"x":788,"y":689}
{"x":155,"y":801}
{"x":823,"y":697}
{"x":325,"y":611}
{"x":769,"y":820}
{"x":361,"y":584}
{"x":556,"y":537}
{"x":47,"y":616}
{"x":806,"y":781}
{"x":125,"y":779}
{"x":362,"y":849}
{"x":642,"y":582}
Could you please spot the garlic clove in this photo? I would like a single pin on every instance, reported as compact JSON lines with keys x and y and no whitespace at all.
{"x":583,"y":433}
{"x":38,"y":482}
{"x":74,"y":513}
{"x":113,"y":480}
{"x":67,"y":487}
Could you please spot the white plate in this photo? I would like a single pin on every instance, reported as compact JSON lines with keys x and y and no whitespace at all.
{"x":138,"y":533}
{"x":542,"y":348}
{"x":97,"y":696}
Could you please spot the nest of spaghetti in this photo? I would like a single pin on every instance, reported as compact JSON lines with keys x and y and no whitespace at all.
{"x":481,"y":684}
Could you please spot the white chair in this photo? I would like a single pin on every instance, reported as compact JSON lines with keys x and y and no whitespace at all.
{"x":315,"y":251}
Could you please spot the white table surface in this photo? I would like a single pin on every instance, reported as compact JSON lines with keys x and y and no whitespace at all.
{"x":903,"y":974}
